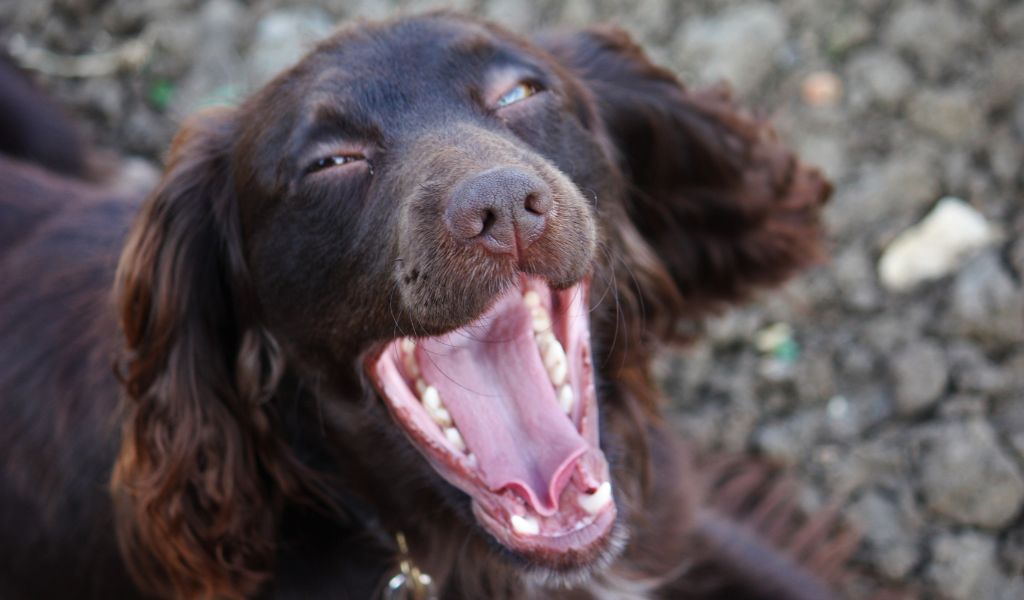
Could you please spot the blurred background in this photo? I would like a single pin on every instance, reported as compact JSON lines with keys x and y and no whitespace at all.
{"x":891,"y":377}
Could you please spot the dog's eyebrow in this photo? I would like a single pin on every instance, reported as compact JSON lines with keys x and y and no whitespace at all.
{"x":329,"y":127}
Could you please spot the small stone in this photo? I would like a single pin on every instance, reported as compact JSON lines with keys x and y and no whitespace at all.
{"x":904,"y":184}
{"x":972,"y":372}
{"x":788,"y":441}
{"x":954,"y":115}
{"x":987,"y":304}
{"x":936,"y":246}
{"x":282,"y":37}
{"x":821,"y":89}
{"x":965,"y":476}
{"x":739,"y":45}
{"x":960,"y":565}
{"x":879,"y":77}
{"x":931,"y":32}
{"x":920,"y":375}
{"x":855,"y":279}
{"x":890,"y":544}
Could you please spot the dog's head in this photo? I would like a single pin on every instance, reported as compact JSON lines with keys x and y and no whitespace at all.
{"x":453,"y":211}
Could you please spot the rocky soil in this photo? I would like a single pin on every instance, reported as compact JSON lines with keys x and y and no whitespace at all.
{"x":898,"y":387}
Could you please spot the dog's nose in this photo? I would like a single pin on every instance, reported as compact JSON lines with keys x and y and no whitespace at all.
{"x":503,"y":208}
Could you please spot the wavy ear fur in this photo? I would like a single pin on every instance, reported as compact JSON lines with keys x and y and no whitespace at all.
{"x":721,"y":202}
{"x":201,"y":473}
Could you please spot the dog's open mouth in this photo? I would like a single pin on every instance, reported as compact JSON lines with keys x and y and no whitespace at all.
{"x":505,"y":410}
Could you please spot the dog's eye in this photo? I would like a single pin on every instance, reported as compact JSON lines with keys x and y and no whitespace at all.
{"x":521,"y":91}
{"x":335,"y":160}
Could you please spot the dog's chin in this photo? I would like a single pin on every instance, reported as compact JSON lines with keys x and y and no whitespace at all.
{"x":504,"y":408}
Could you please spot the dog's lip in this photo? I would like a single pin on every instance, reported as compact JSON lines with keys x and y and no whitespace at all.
{"x":567,"y":533}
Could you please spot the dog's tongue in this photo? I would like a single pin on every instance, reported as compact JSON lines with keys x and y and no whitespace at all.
{"x":497,"y":390}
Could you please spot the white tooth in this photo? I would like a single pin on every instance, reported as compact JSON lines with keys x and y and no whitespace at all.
{"x":421,"y":387}
{"x":592,"y":503}
{"x":471,"y":459}
{"x":408,"y":345}
{"x":441,"y":416}
{"x":525,"y":525}
{"x":540,"y":319}
{"x":455,"y":438}
{"x":431,"y":398}
{"x":558,"y":373}
{"x":556,"y":363}
{"x":544,"y":338}
{"x":531,"y":299}
{"x":566,"y":398}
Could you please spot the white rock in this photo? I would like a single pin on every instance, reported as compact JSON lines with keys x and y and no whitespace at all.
{"x":936,"y":246}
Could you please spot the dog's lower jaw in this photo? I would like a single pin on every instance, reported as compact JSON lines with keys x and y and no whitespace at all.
{"x":545,"y":578}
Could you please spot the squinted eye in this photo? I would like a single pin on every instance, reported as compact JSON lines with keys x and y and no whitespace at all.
{"x":521,"y":91}
{"x":335,"y":160}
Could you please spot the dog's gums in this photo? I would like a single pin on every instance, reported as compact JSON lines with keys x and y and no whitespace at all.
{"x":504,"y":408}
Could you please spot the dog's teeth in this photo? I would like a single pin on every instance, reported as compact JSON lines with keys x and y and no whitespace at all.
{"x":455,"y":438}
{"x":544,"y":338}
{"x":525,"y":525}
{"x":566,"y":398}
{"x":593,"y":503}
{"x":556,"y":363}
{"x":431,"y":398}
{"x":408,"y":345}
{"x":441,"y":416}
{"x":471,"y":459}
{"x":531,"y":299}
{"x":540,"y":319}
{"x":421,"y":387}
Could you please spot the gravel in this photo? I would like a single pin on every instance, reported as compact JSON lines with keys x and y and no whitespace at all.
{"x":908,"y":403}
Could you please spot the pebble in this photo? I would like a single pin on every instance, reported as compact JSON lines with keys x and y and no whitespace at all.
{"x":281,"y":38}
{"x":738,"y":45}
{"x":920,"y":375}
{"x":965,"y":476}
{"x":987,"y":304}
{"x":960,"y":564}
{"x":936,"y":246}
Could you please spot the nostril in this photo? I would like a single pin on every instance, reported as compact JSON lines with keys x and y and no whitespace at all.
{"x":534,"y":205}
{"x":488,"y":221}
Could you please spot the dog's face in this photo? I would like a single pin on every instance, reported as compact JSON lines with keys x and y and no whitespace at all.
{"x":428,"y":202}
{"x":425,"y":193}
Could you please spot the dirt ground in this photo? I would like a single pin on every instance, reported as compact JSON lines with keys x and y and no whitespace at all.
{"x":895,"y":385}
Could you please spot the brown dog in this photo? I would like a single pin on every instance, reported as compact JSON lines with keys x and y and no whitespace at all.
{"x":410,"y":288}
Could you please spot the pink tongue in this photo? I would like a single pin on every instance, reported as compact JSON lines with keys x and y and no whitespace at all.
{"x":494,"y":384}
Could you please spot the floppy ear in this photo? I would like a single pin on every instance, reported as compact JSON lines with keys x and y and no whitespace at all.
{"x":718,"y":199}
{"x":200,"y":472}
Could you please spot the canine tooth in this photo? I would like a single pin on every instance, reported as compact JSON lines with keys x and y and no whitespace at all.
{"x":408,"y":345}
{"x":566,"y":398}
{"x":421,"y":387}
{"x":540,"y":319}
{"x":592,"y":503}
{"x":525,"y":525}
{"x":471,"y":459}
{"x":455,"y":438}
{"x":531,"y":299}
